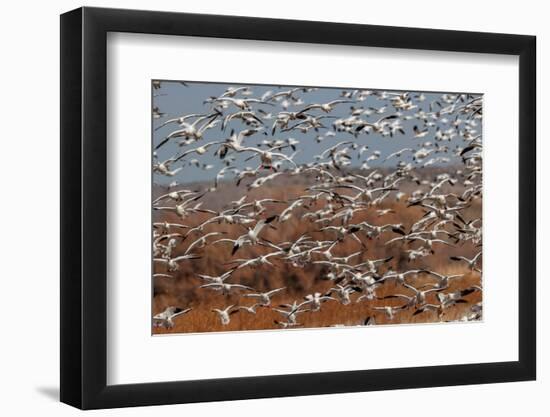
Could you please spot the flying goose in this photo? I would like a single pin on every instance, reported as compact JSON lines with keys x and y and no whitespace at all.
{"x":264,"y":298}
{"x":166,"y":318}
{"x":224,"y":315}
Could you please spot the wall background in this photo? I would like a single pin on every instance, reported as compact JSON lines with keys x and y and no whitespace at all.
{"x":29,"y":209}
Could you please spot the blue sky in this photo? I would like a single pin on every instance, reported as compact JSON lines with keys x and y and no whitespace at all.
{"x":175,"y":99}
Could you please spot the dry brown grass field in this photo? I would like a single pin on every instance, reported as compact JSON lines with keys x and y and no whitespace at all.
{"x":182,"y":288}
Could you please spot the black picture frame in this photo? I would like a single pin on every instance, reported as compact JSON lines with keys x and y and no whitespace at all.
{"x":84,"y":207}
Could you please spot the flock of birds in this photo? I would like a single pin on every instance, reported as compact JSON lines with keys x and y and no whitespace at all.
{"x":343,"y":178}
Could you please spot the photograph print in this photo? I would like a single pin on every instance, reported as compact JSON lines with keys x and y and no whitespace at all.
{"x":292,"y":207}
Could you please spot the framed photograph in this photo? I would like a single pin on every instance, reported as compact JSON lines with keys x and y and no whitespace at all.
{"x":260,"y":208}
